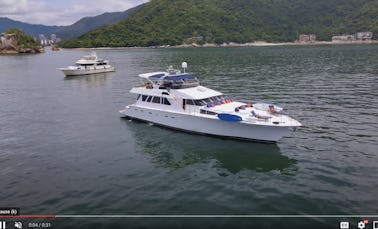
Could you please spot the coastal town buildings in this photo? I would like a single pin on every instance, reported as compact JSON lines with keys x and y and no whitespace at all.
{"x":48,"y":41}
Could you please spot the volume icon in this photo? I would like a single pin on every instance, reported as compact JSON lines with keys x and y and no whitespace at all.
{"x":2,"y":225}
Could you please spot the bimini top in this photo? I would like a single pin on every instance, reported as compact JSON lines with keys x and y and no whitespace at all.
{"x":170,"y":79}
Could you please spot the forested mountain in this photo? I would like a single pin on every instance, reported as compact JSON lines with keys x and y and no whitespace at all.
{"x":88,"y":23}
{"x":172,"y":22}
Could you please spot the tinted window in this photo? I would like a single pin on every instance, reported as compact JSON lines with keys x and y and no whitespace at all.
{"x":199,"y":102}
{"x":190,"y":102}
{"x":144,"y":97}
{"x":166,"y":102}
{"x":211,"y":113}
{"x":208,"y":112}
{"x":156,"y":100}
{"x":149,"y":98}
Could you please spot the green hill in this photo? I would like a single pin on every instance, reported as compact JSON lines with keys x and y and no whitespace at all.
{"x":88,"y":23}
{"x":16,"y":41}
{"x":167,"y":22}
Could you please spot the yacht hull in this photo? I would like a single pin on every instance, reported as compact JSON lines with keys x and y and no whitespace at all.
{"x":207,"y":125}
{"x":78,"y":72}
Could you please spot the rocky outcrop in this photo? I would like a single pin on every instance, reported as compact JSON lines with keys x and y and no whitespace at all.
{"x":18,"y":42}
{"x":8,"y":43}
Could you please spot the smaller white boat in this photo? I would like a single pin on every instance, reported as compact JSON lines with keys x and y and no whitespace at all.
{"x":88,"y":64}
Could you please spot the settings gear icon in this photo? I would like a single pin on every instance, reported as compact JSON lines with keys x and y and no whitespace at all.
{"x":361,"y":225}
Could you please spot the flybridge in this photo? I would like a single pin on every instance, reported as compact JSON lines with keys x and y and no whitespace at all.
{"x":177,"y":76}
{"x":172,"y":79}
{"x":180,"y":81}
{"x":180,"y":77}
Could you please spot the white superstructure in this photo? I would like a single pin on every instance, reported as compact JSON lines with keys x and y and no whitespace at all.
{"x":177,"y":100}
{"x":88,"y":64}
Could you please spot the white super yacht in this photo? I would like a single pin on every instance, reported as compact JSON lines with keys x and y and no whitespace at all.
{"x":176,"y":100}
{"x":88,"y":64}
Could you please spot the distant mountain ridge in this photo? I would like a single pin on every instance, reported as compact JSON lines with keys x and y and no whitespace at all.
{"x":32,"y":29}
{"x":82,"y":26}
{"x":167,"y":22}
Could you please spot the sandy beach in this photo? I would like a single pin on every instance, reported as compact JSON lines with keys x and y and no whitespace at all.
{"x":233,"y":44}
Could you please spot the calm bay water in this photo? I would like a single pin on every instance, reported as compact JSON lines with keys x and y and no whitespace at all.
{"x":65,"y":150}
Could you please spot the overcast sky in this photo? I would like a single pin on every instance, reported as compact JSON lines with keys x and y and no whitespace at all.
{"x":60,"y":12}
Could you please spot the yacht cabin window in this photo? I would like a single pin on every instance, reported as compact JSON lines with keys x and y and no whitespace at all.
{"x":198,"y":102}
{"x":207,"y":112}
{"x":166,"y":102}
{"x":156,"y":99}
{"x":190,"y":102}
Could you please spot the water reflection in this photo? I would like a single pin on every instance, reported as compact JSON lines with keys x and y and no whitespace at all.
{"x":93,"y":80}
{"x":89,"y":78}
{"x":174,"y":149}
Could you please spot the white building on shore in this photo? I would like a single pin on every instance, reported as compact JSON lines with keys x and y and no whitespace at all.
{"x":360,"y":36}
{"x":364,"y":36}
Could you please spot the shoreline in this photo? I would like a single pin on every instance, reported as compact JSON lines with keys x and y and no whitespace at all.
{"x":22,"y":51}
{"x":232,"y":44}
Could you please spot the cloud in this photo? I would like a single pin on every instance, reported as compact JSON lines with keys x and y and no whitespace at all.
{"x":58,"y":12}
{"x":22,"y":7}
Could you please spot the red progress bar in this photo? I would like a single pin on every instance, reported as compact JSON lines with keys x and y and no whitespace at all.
{"x":27,"y":216}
